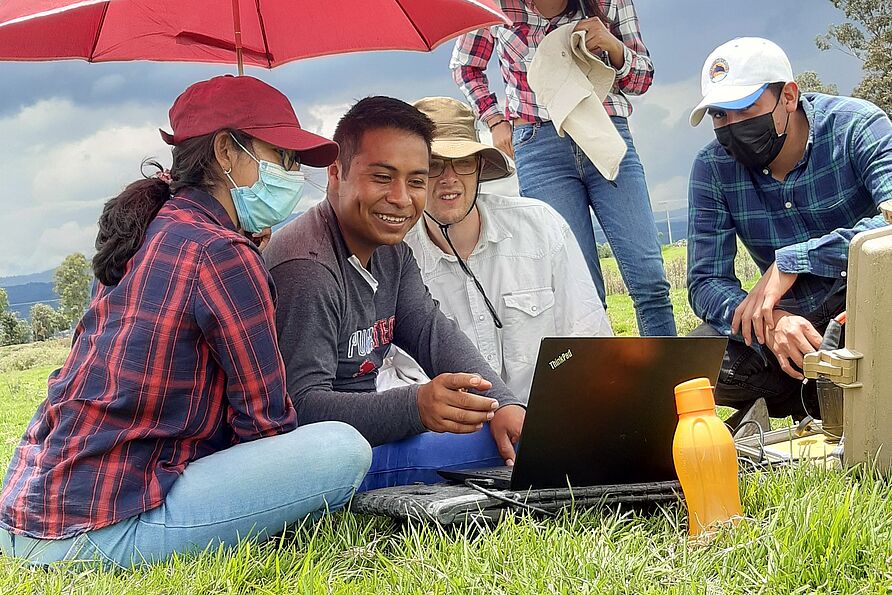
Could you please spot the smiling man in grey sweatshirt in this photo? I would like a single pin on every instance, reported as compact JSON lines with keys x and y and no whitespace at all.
{"x":348,"y":288}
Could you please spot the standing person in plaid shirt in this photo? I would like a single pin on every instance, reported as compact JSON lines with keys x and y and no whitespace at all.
{"x":795,"y":177}
{"x":553,"y":168}
{"x":169,"y":429}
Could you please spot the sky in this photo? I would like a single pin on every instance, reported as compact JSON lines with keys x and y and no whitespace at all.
{"x":75,"y":133}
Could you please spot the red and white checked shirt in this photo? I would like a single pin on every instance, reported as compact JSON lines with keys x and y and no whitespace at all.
{"x":176,"y":362}
{"x":516,"y":45}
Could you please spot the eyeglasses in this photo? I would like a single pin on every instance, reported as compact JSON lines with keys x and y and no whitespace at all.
{"x":289,"y":158}
{"x":461,"y":166}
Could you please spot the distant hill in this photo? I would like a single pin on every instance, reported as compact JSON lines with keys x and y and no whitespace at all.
{"x":44,"y":277}
{"x":26,"y":290}
{"x":22,"y":297}
{"x":677,"y":217}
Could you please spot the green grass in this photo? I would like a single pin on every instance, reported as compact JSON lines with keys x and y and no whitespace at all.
{"x":33,"y":355}
{"x":670,"y":252}
{"x":807,"y":530}
{"x":20,"y":394}
{"x":621,"y":312}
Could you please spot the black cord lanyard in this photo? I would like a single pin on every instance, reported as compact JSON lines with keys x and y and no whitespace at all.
{"x":492,"y":311}
{"x":444,"y":229}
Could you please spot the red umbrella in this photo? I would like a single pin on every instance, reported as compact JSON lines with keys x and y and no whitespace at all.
{"x":228,"y":31}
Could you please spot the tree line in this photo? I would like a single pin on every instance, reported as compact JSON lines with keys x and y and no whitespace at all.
{"x":72,"y":282}
{"x":865,"y":34}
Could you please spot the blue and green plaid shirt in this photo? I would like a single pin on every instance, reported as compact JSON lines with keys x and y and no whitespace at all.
{"x":805,"y":223}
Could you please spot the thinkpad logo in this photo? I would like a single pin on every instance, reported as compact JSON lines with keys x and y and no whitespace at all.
{"x":560,"y":359}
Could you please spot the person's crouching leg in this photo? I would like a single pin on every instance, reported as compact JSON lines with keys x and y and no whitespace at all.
{"x":747,"y":375}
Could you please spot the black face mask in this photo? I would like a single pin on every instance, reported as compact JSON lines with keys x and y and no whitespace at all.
{"x":755,"y":142}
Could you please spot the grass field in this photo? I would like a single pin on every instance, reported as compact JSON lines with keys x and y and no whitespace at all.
{"x":807,"y":530}
{"x":621,"y":311}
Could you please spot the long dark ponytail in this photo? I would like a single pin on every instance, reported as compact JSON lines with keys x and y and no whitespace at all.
{"x":125,"y":218}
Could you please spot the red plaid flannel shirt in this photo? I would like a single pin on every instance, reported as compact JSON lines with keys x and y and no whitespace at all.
{"x":515,"y":46}
{"x":176,"y":362}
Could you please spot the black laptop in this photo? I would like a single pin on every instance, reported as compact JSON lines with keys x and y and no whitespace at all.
{"x":602,"y":411}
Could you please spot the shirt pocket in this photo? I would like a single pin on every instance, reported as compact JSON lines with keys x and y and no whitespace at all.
{"x":835,"y":200}
{"x":825,"y":213}
{"x":529,"y":316}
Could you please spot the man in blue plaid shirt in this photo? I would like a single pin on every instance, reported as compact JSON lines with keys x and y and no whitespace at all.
{"x":795,"y":177}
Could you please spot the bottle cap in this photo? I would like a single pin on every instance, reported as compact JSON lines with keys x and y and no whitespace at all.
{"x":694,"y":395}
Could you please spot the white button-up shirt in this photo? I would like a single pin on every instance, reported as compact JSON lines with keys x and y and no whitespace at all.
{"x":532,"y":269}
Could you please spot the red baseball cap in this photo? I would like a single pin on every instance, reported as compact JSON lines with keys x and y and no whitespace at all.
{"x":251,"y":106}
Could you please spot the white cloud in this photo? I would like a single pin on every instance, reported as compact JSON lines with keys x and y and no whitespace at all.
{"x":103,"y":161}
{"x":665,"y":140}
{"x":670,"y":194}
{"x":59,"y":163}
{"x":324,"y":118}
{"x":672,"y":101}
{"x":69,"y":237}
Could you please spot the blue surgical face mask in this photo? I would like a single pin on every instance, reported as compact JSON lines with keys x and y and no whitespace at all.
{"x":270,"y":199}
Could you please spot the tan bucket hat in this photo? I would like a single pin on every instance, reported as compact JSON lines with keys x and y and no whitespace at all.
{"x":456,"y":136}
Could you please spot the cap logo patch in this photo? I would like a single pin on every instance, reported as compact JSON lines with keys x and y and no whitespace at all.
{"x":719,"y":70}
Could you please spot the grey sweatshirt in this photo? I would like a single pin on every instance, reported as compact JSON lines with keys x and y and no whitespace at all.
{"x":335,"y":328}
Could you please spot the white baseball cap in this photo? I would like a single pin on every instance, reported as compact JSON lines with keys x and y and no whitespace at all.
{"x":737,"y":72}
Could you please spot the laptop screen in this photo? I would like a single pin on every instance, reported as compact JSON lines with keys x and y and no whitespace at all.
{"x":602,"y":409}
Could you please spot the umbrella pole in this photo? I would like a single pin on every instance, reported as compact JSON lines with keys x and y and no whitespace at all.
{"x":237,"y":28}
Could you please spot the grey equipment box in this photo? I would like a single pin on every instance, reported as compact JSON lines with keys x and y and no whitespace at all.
{"x":868,"y":400}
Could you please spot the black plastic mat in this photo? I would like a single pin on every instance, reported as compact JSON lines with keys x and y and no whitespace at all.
{"x":448,"y":503}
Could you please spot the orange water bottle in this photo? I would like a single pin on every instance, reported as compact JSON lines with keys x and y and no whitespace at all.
{"x":705,"y":458}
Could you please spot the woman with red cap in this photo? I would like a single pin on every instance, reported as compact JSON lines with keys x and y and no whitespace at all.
{"x":169,"y":429}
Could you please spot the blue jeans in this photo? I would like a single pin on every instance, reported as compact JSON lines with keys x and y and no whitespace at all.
{"x":556,"y":171}
{"x":255,"y":489}
{"x":416,"y":459}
